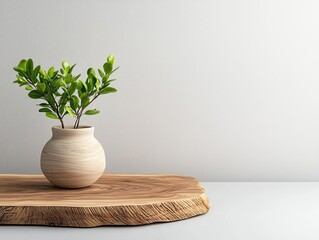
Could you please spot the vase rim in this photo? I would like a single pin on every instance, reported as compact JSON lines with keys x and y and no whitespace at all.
{"x":70,"y":128}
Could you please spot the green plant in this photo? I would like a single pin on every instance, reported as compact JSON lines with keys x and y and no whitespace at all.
{"x":62,"y":91}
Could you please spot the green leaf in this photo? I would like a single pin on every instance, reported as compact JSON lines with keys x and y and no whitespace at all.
{"x":21,"y":80}
{"x":92,"y":112}
{"x":36,"y":71}
{"x":111,"y":80}
{"x":79,"y":85}
{"x":105,"y":78}
{"x":61,"y":110}
{"x":45,"y":110}
{"x":107,"y":90}
{"x":64,"y":99}
{"x":41,"y":86}
{"x":98,"y":85}
{"x":91,"y":71}
{"x":110,"y":59}
{"x":83,"y":95}
{"x":74,"y":102}
{"x":77,"y":77}
{"x":101,"y":72}
{"x":71,"y":68}
{"x":85,"y":102}
{"x":58,"y":83}
{"x":55,"y":75}
{"x":51,"y":115}
{"x":65,"y":65}
{"x":91,"y":82}
{"x":107,"y":67}
{"x":35,"y":94}
{"x":114,"y":70}
{"x":29,"y":67}
{"x":50,"y":100}
{"x":67,"y":69}
{"x":42,"y":72}
{"x":68,"y":78}
{"x":72,"y":88}
{"x":55,"y":92}
{"x":84,"y":87}
{"x":70,"y":111}
{"x":28,"y":88}
{"x":21,"y":72}
{"x":43,"y":105}
{"x":17,"y":69}
{"x":108,"y":82}
{"x":51,"y":72}
{"x":23,"y":64}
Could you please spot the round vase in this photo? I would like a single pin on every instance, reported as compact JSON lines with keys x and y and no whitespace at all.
{"x":72,"y":158}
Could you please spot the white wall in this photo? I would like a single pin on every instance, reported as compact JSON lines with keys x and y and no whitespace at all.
{"x":220,"y":90}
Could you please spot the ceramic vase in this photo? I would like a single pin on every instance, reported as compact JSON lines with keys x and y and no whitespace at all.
{"x":72,"y":158}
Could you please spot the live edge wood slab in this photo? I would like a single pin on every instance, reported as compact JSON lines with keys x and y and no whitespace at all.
{"x":115,"y":199}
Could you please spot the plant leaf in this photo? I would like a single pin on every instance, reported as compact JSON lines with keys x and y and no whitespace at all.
{"x":107,"y":67}
{"x":41,"y":86}
{"x":28,"y":88}
{"x":50,"y":100}
{"x":90,"y":71}
{"x":45,"y":110}
{"x":83,"y":95}
{"x":97,"y":85}
{"x":44,"y":105}
{"x":79,"y":85}
{"x":105,"y":78}
{"x":92,"y":112}
{"x":74,"y":102}
{"x":58,"y":83}
{"x":84,"y":87}
{"x":114,"y":70}
{"x":36,"y":71}
{"x":42,"y":72}
{"x":110,"y":59}
{"x":68,"y":78}
{"x":70,"y":111}
{"x":23,"y":64}
{"x":77,"y":77}
{"x":35,"y":94}
{"x":101,"y":73}
{"x":85,"y":102}
{"x":65,"y":65}
{"x":72,"y":88}
{"x":107,"y":90}
{"x":71,"y":68}
{"x":29,"y":67}
{"x":51,"y":72}
{"x":61,"y":110}
{"x":51,"y":115}
{"x":64,"y":99}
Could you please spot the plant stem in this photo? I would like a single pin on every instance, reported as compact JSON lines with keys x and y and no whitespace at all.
{"x":80,"y":112}
{"x":57,"y":106}
{"x":57,"y":111}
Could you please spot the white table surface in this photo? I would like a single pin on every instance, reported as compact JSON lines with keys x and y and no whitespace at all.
{"x":282,"y":211}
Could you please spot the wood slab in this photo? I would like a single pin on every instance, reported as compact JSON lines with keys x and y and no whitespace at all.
{"x":115,"y":199}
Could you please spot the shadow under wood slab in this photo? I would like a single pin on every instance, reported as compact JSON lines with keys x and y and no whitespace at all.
{"x":115,"y":199}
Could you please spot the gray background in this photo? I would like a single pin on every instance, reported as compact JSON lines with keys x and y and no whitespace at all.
{"x":220,"y":90}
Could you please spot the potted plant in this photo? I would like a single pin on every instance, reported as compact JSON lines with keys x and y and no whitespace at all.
{"x":72,"y":158}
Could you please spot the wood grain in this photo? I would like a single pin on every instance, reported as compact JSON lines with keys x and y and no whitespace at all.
{"x":115,"y":199}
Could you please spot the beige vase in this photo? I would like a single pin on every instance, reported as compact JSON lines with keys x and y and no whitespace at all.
{"x":72,"y":158}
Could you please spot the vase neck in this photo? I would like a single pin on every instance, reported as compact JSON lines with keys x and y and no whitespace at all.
{"x":69,"y":132}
